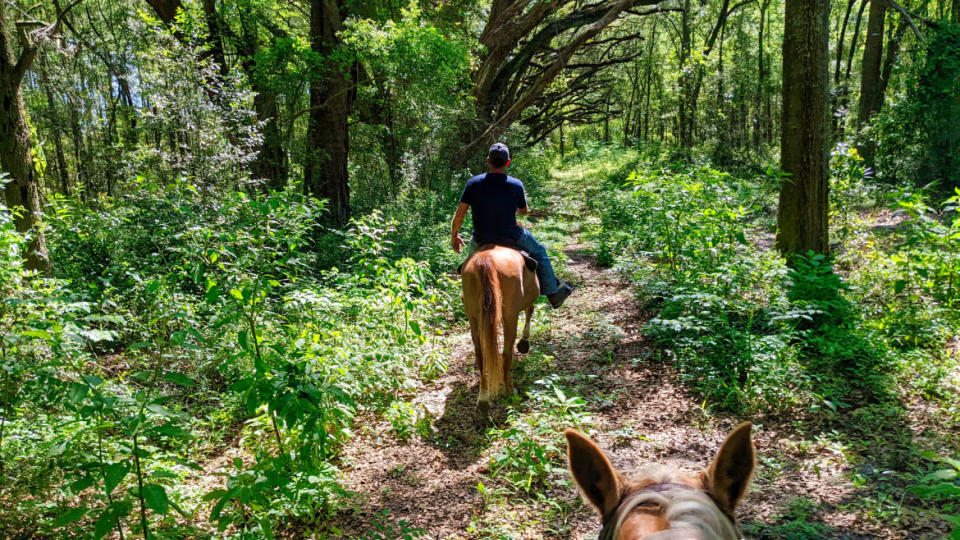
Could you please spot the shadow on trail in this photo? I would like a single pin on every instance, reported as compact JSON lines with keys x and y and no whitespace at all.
{"x":460,"y":432}
{"x":405,"y":515}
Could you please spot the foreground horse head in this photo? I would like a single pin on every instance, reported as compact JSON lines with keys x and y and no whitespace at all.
{"x":497,"y":286}
{"x":667,"y":503}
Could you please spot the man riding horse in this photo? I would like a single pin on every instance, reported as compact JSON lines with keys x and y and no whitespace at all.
{"x":495,"y":199}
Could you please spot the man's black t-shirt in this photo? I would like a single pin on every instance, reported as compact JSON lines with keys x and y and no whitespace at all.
{"x":494,"y":199}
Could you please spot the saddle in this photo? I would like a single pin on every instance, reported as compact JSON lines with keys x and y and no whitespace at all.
{"x":528,"y":260}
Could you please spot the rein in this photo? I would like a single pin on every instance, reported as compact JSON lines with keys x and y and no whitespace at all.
{"x":611,"y":528}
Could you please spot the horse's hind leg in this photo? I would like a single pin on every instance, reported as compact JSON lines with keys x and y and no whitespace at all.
{"x":478,"y":353}
{"x":509,"y":338}
{"x":484,"y":396}
{"x":523,"y":346}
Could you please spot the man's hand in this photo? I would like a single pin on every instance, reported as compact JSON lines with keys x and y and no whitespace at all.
{"x":457,"y":243}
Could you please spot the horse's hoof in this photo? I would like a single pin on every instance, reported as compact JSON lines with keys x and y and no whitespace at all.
{"x":483,"y":409}
{"x":523,"y":346}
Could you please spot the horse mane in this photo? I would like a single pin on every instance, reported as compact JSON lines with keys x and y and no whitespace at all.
{"x":692,"y":513}
{"x":491,"y":314}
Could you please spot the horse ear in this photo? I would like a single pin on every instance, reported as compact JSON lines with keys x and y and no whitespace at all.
{"x":593,"y":472}
{"x":729,"y":475}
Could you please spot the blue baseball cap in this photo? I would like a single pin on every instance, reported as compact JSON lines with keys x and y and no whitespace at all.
{"x":499,"y":150}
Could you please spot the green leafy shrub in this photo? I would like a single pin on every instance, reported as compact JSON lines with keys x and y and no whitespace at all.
{"x":746,"y":330}
{"x":533,"y":447}
{"x":909,"y":290}
{"x":842,"y":356}
{"x":942,"y":487}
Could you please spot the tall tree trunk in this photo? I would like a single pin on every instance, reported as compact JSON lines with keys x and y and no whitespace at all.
{"x":870,"y":96}
{"x":758,"y":120}
{"x":55,"y":129}
{"x":270,"y":164}
{"x":215,"y":35}
{"x":633,"y":111}
{"x":802,"y":223}
{"x":843,"y":85}
{"x":855,"y":39}
{"x":761,"y":76}
{"x":890,"y":57}
{"x":724,"y":149}
{"x":390,"y":145}
{"x":15,"y":144}
{"x":78,"y":148}
{"x":686,"y":116}
{"x":838,"y":90}
{"x":328,"y":136}
{"x":649,"y":75}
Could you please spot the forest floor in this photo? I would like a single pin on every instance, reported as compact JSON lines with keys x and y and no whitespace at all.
{"x":444,"y":482}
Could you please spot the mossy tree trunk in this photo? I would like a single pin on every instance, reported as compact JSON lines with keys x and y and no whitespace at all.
{"x":15,"y":144}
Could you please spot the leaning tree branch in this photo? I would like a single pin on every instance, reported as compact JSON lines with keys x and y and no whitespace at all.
{"x":531,"y":93}
{"x":34,"y":40}
{"x":910,"y":16}
{"x":540,"y":42}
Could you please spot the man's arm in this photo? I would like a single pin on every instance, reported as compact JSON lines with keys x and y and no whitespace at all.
{"x":522,"y":207}
{"x":456,"y":242}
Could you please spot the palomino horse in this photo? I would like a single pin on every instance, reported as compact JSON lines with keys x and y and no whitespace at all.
{"x":497,"y":286}
{"x":665,"y":503}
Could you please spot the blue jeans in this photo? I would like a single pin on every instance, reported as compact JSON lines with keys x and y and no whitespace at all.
{"x":526,"y":242}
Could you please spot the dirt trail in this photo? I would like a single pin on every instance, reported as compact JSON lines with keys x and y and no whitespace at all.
{"x":433,"y":486}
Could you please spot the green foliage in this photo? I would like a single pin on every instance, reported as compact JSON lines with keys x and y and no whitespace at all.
{"x":797,"y":521}
{"x":942,"y":487}
{"x":118,"y":437}
{"x":682,"y":236}
{"x":933,"y":255}
{"x":533,"y":448}
{"x":224,"y":286}
{"x":909,"y":289}
{"x":421,"y":75}
{"x":842,"y":357}
{"x":918,"y":136}
{"x":747,"y":331}
{"x":304,"y":379}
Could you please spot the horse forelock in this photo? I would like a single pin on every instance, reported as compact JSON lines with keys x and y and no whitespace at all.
{"x":689,"y":511}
